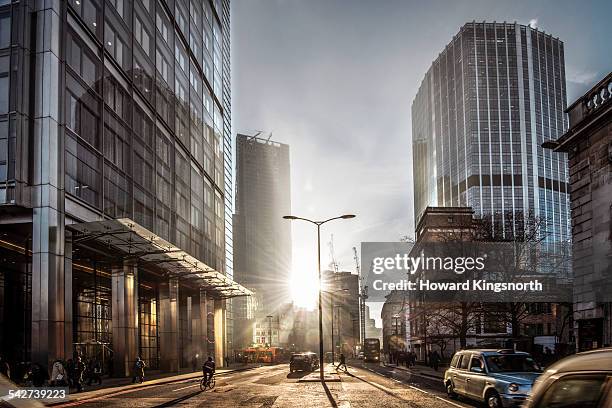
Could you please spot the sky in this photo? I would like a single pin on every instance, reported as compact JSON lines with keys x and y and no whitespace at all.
{"x":335,"y":80}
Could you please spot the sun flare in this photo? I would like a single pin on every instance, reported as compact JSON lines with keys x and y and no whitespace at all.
{"x":304,"y":287}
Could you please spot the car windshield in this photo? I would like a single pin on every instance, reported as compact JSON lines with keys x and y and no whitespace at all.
{"x":299,"y":357}
{"x":512,"y":363}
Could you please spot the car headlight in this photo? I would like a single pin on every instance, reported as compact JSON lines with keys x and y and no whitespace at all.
{"x":513,"y":387}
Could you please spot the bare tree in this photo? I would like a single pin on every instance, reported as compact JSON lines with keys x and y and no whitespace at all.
{"x":532,"y":255}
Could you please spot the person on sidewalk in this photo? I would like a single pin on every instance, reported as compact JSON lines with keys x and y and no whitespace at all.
{"x":342,"y":362}
{"x":5,"y":369}
{"x":77,"y":374}
{"x":139,"y":366}
{"x":194,"y":363}
{"x":435,"y":360}
{"x":95,"y":372}
{"x":59,"y":378}
{"x":208,"y":369}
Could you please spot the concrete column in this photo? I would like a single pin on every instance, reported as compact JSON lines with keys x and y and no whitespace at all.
{"x":50,"y":299}
{"x":68,"y":347}
{"x":169,"y":326}
{"x":191,"y":349}
{"x":219,"y":320}
{"x":125,"y":317}
{"x":197,"y":328}
{"x":203,"y":338}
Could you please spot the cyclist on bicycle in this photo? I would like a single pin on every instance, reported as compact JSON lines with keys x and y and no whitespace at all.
{"x":208,"y":369}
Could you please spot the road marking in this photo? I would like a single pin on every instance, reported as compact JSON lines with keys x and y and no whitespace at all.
{"x":450,"y":402}
{"x":189,"y":386}
{"x":418,"y":389}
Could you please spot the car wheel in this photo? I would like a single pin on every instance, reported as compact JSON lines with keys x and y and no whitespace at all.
{"x":450,"y":390}
{"x":493,"y":400}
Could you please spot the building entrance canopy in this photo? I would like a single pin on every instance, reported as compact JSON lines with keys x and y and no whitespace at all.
{"x":130,"y":240}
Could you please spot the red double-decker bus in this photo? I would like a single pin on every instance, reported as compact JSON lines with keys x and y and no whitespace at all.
{"x":265,"y":354}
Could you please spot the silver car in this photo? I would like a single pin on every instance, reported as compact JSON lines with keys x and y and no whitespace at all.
{"x":499,"y":378}
{"x":583,"y":380}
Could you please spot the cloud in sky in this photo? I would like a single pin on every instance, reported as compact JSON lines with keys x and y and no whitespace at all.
{"x":533,"y":23}
{"x":335,"y":80}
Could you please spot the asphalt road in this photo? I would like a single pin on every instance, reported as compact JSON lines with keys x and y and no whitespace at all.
{"x":272,"y":386}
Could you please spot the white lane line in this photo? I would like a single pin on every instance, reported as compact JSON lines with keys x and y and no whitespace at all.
{"x":423,"y":391}
{"x":220,"y":377}
{"x":437,"y":397}
{"x":189,"y":386}
{"x":450,"y":402}
{"x":418,"y":389}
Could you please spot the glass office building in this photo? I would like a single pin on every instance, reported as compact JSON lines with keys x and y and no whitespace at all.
{"x":489,"y":100}
{"x":115,"y":180}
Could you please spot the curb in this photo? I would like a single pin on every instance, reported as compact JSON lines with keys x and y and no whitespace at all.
{"x":120,"y":389}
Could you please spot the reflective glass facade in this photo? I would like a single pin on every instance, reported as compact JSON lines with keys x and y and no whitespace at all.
{"x":114,"y":109}
{"x":144,"y":111}
{"x":485,"y":106}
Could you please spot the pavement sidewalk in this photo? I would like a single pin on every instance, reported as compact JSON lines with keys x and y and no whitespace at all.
{"x":421,"y":370}
{"x":330,"y":374}
{"x":112,"y":386}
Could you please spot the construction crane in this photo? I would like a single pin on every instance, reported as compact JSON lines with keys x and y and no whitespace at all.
{"x":259,"y":132}
{"x":333,"y":264}
{"x":363,"y":295}
{"x":254,"y":136}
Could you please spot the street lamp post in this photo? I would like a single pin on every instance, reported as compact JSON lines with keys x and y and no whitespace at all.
{"x":318,"y":224}
{"x":269,"y":317}
{"x":331,"y":297}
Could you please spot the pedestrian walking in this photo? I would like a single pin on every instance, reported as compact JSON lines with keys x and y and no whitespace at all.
{"x":342,"y":362}
{"x":139,"y":367}
{"x":78,"y":370}
{"x":95,"y":372}
{"x":59,"y":377}
{"x":435,"y":360}
{"x":194,"y":363}
{"x":38,"y":375}
{"x":5,"y":369}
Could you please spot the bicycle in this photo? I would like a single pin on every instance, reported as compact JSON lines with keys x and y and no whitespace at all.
{"x":210,"y":383}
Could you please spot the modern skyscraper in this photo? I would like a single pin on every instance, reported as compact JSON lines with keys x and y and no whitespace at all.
{"x":262,"y":239}
{"x":489,"y":100}
{"x":115,"y":180}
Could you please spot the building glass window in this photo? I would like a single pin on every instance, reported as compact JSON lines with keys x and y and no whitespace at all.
{"x":116,"y":194}
{"x":162,"y":23}
{"x":4,"y":84}
{"x":89,"y":11}
{"x":164,"y":169}
{"x":142,"y":36}
{"x":116,"y":98}
{"x":5,"y":29}
{"x":119,"y":6}
{"x":82,"y":61}
{"x":114,"y":44}
{"x":81,"y":112}
{"x":148,"y":325}
{"x":92,"y":309}
{"x":83,"y":171}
